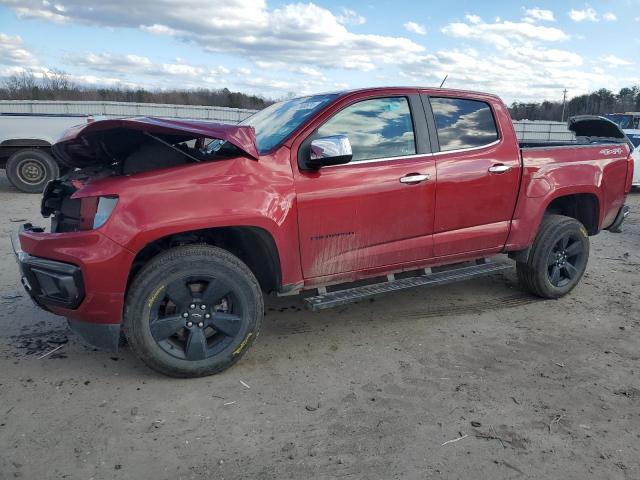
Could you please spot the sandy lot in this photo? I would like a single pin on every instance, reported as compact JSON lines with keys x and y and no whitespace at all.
{"x":528,"y":388}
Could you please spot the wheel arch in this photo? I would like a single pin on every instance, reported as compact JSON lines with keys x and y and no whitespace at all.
{"x":255,"y":246}
{"x":583,"y":204}
{"x":584,"y":207}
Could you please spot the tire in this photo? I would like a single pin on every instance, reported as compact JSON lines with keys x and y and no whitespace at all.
{"x":30,"y":170}
{"x":558,"y":258}
{"x":193,"y":311}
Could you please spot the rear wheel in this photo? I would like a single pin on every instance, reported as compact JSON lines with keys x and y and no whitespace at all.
{"x":193,"y":311}
{"x":30,"y":170}
{"x":558,"y":257}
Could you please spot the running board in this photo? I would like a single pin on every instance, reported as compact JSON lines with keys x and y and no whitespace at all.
{"x":355,"y":294}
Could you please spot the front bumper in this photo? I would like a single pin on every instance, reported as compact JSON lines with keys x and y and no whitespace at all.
{"x":79,"y":275}
{"x":623,"y":213}
{"x":48,"y":282}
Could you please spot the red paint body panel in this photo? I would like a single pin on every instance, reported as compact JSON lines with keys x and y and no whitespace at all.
{"x":338,"y":224}
{"x":550,"y":173}
{"x":474,"y":206}
{"x":105,"y":268}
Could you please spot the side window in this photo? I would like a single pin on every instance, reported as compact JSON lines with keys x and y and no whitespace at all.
{"x":376,"y":128}
{"x":463,"y":123}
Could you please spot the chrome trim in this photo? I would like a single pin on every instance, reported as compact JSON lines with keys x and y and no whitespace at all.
{"x":495,"y":142}
{"x":415,"y":178}
{"x":330,"y":147}
{"x":383,"y":159}
{"x":499,"y":168}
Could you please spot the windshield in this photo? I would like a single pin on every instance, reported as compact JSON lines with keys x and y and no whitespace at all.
{"x":276,"y":122}
{"x":623,"y":121}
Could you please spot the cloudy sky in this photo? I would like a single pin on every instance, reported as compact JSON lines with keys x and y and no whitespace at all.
{"x":519,"y":50}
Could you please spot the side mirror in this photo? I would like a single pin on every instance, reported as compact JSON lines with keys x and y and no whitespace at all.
{"x":333,"y":150}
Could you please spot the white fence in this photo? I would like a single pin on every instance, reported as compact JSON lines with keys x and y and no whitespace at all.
{"x":124,"y":109}
{"x":542,"y":131}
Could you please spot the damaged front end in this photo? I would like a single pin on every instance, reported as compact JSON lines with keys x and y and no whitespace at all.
{"x":122,"y":147}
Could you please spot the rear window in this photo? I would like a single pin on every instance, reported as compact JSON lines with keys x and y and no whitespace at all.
{"x":463,"y":123}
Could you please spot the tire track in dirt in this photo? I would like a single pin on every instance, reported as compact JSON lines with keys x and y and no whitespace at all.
{"x":512,"y":301}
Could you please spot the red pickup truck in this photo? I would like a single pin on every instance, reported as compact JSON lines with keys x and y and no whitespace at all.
{"x":171,"y":231}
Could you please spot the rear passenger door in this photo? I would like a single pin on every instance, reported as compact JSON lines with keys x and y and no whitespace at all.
{"x":478,"y":167}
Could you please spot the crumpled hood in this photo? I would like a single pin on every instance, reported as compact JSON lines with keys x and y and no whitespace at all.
{"x":78,"y":146}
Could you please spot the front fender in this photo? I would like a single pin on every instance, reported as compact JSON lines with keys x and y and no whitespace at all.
{"x":238,"y":192}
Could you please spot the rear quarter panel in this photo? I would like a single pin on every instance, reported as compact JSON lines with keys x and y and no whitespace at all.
{"x":554,"y":172}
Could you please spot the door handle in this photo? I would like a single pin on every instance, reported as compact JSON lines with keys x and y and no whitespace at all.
{"x":415,"y":178}
{"x":499,"y":168}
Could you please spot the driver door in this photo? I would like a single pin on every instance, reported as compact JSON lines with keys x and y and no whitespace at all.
{"x":378,"y":209}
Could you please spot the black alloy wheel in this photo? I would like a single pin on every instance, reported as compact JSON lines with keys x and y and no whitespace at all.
{"x":196,"y":317}
{"x":565,"y":260}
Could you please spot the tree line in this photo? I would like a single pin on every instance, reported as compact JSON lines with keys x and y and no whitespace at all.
{"x":56,"y":85}
{"x":599,"y":102}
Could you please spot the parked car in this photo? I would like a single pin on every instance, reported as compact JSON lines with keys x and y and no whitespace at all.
{"x":630,"y":125}
{"x":174,"y":230}
{"x":25,"y":147}
{"x":634,"y":137}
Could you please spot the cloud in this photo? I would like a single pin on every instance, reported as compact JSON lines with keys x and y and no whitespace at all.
{"x":127,"y":65}
{"x":158,"y":29}
{"x":416,"y":28}
{"x":475,"y":19}
{"x":350,"y":17}
{"x":532,"y":15}
{"x":503,"y":33}
{"x":609,"y":17}
{"x":296,"y":32}
{"x":14,"y":53}
{"x":586,"y":15}
{"x":613,"y":61}
{"x":544,"y":74}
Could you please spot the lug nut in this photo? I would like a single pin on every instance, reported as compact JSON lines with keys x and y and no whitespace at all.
{"x":207,"y":315}
{"x":185,"y":314}
{"x":201,"y":324}
{"x":189,"y":324}
{"x":203,"y":307}
{"x":192,"y":306}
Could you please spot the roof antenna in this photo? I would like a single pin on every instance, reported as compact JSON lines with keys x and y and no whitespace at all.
{"x":445,"y":79}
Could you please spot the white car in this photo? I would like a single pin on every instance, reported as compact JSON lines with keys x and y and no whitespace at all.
{"x":630,"y":125}
{"x":634,"y":136}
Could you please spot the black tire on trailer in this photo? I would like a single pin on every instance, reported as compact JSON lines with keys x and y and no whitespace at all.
{"x":31,"y":169}
{"x":558,"y":257}
{"x":193,"y":311}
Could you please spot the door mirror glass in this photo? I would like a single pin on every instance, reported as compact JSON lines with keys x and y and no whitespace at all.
{"x":333,"y":150}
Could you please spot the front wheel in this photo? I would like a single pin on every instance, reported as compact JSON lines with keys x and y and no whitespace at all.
{"x":558,"y":257}
{"x":193,"y":311}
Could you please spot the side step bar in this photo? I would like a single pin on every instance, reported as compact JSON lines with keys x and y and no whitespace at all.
{"x":355,"y":294}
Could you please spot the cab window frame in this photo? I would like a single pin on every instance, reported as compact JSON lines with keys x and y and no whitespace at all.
{"x":433,"y":128}
{"x":423,"y":143}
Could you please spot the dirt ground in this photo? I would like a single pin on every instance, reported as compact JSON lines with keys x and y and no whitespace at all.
{"x":527,"y":388}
